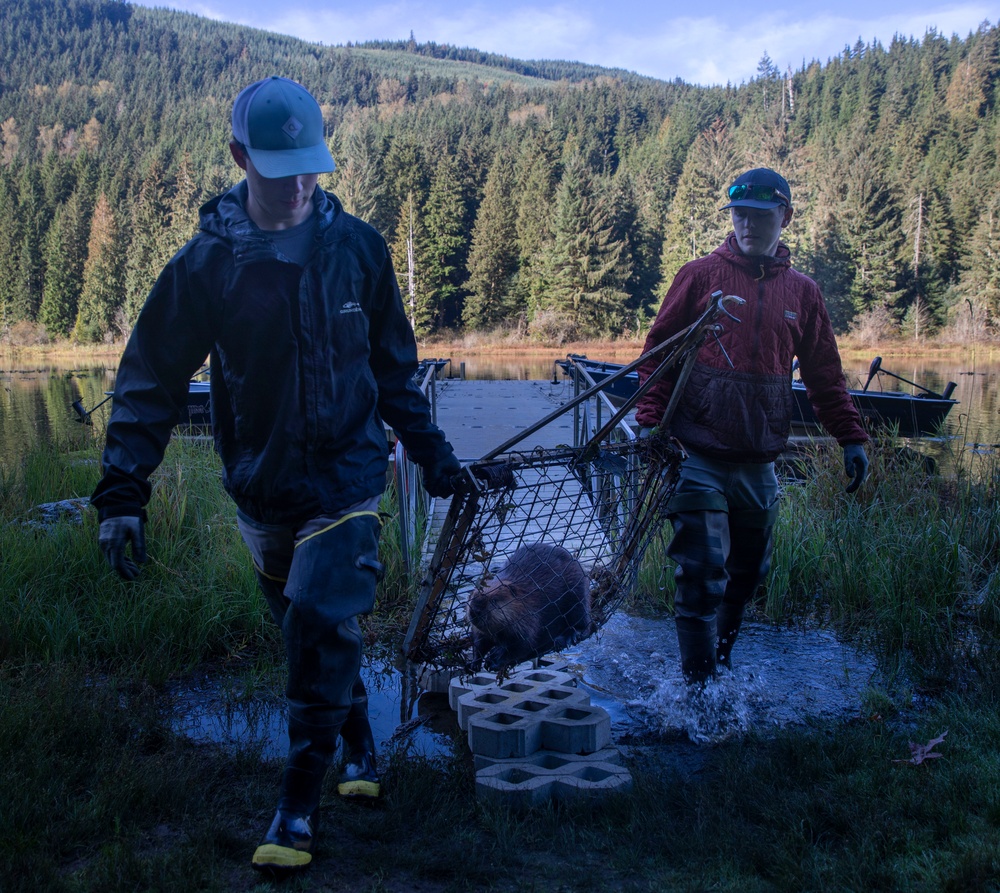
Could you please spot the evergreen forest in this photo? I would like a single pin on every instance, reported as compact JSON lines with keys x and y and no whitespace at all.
{"x":551,"y":200}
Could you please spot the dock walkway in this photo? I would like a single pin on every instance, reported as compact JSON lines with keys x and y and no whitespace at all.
{"x":479,"y":416}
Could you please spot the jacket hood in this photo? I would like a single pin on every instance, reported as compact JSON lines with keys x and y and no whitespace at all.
{"x":225,"y":216}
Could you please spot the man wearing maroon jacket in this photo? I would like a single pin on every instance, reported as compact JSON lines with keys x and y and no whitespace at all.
{"x":734,"y":415}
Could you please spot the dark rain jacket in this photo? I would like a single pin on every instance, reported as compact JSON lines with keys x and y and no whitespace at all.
{"x":742,"y":412}
{"x":305,"y":365}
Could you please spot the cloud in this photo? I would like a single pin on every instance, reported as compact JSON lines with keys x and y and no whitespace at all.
{"x":715,"y":48}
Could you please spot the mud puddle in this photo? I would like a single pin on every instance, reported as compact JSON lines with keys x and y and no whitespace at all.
{"x":214,"y":710}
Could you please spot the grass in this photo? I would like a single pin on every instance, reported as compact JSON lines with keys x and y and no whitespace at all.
{"x":98,"y":793}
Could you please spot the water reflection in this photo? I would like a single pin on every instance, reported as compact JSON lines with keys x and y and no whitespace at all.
{"x":211,"y":709}
{"x":36,"y":407}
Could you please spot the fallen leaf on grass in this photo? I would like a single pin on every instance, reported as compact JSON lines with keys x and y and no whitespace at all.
{"x":921,"y":752}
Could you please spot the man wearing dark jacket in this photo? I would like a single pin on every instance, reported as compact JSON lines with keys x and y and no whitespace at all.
{"x":296,"y":303}
{"x":734,"y":415}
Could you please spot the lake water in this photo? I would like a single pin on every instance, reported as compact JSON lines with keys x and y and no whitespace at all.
{"x":36,"y":399}
{"x":782,"y":675}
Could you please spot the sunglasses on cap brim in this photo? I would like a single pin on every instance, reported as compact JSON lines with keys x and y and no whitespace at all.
{"x":757,"y":194}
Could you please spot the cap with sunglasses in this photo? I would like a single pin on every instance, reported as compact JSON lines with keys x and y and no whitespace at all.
{"x":760,"y":188}
{"x":281,"y":127}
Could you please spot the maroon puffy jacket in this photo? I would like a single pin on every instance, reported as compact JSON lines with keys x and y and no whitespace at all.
{"x":742,"y":412}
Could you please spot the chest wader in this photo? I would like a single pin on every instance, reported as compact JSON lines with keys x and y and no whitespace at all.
{"x":722,"y":557}
{"x":330,"y":581}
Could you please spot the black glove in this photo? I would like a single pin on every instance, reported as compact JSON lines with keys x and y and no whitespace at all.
{"x":494,"y":477}
{"x":437,"y":477}
{"x":855,"y":465}
{"x":115,"y":534}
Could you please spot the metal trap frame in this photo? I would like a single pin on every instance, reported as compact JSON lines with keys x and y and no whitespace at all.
{"x":603,"y":501}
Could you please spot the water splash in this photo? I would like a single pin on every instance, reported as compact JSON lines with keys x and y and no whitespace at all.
{"x":781,"y":677}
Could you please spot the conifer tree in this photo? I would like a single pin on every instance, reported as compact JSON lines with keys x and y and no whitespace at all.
{"x":636,"y":273}
{"x":359,"y":181}
{"x":33,"y":217}
{"x":818,"y":247}
{"x":869,"y":223}
{"x":586,"y":267}
{"x":102,"y":294}
{"x":406,"y":175}
{"x":694,"y":224}
{"x":445,"y":247}
{"x":536,"y":173}
{"x":10,"y":240}
{"x":65,"y":250}
{"x":567,"y":260}
{"x":493,"y":257}
{"x":980,"y":279}
{"x":183,"y":206}
{"x":407,"y":248}
{"x":149,"y":246}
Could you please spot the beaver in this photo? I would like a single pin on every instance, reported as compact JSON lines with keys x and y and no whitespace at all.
{"x":539,"y":601}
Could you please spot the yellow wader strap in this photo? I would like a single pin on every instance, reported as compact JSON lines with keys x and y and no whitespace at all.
{"x":269,"y":576}
{"x":338,"y":522}
{"x":328,"y":527}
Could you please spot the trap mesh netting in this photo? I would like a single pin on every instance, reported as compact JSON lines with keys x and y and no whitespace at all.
{"x":540,"y":547}
{"x":490,"y":596}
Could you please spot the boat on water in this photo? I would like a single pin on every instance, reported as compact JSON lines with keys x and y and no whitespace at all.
{"x":196,"y":414}
{"x":919,"y":414}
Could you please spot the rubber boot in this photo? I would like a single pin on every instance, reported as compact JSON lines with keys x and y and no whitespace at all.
{"x":729,"y":619}
{"x":696,"y":638}
{"x":747,"y":567}
{"x":287,"y":846}
{"x":358,"y":777}
{"x":698,"y":547}
{"x":331,"y":581}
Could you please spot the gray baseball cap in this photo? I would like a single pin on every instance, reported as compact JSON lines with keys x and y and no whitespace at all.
{"x":280,"y":125}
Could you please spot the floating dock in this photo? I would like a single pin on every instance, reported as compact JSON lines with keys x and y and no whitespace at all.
{"x":479,"y":416}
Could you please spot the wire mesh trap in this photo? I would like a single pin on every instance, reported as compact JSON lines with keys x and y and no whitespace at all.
{"x":540,"y":547}
{"x":543,"y":555}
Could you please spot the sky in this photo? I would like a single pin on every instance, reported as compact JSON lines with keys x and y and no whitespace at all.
{"x":717,"y":43}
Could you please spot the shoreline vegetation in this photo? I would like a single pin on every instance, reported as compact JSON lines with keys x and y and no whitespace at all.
{"x":101,"y":794}
{"x":478,"y":345}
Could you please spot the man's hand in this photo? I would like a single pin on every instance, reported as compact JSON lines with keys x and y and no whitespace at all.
{"x":437,"y":477}
{"x":115,"y":534}
{"x":646,"y":432}
{"x":855,"y":465}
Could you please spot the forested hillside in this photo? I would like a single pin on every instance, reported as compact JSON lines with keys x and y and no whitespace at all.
{"x":550,"y":198}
